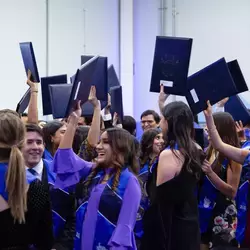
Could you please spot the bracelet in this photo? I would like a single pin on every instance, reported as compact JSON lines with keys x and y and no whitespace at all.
{"x":34,"y":91}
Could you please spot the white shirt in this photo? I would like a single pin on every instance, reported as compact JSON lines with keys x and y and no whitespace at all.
{"x":39,"y":169}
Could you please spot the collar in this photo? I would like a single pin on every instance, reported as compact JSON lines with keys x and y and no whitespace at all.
{"x":38,"y":168}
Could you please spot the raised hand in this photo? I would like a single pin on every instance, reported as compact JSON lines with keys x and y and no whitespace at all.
{"x":77,"y":113}
{"x":222,"y":102}
{"x":92,"y":97}
{"x":240,"y":130}
{"x":208,"y":112}
{"x":162,"y":96}
{"x":206,"y":167}
{"x":32,"y":85}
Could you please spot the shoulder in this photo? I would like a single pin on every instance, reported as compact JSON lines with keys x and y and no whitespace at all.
{"x":173,"y":156}
{"x":170,"y":164}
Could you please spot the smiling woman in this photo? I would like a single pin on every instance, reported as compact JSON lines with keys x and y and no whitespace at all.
{"x":108,"y":192}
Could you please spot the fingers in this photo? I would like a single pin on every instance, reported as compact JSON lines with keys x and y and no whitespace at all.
{"x":241,"y":124}
{"x":79,"y":105}
{"x":29,"y":74}
{"x":162,"y":88}
{"x":208,"y":104}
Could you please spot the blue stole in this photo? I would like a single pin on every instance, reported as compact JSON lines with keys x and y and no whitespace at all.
{"x":143,"y":177}
{"x":241,"y":203}
{"x":47,"y":155}
{"x":246,"y":145}
{"x":57,"y":197}
{"x":242,"y":197}
{"x":3,"y":171}
{"x":60,"y":199}
{"x":207,"y":201}
{"x":108,"y":212}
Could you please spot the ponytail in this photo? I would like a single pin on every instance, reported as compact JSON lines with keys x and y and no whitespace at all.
{"x":16,"y":185}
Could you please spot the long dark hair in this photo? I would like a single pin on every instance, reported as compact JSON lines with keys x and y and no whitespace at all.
{"x":81,"y":135}
{"x":49,"y":130}
{"x":146,"y":144}
{"x":225,"y":125}
{"x":124,"y":153}
{"x":181,"y":132}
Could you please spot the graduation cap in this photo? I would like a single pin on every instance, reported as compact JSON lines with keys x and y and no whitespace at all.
{"x":113,"y":80}
{"x":29,"y":60}
{"x":116,"y":101}
{"x":100,"y":78}
{"x":212,"y":83}
{"x":45,"y":82}
{"x":237,"y":109}
{"x":23,"y":103}
{"x":171,"y":64}
{"x":59,"y":98}
{"x":237,"y":76}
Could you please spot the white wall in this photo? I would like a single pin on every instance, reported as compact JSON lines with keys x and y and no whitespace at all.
{"x":219,"y":29}
{"x":76,"y":27}
{"x":20,"y":21}
{"x":146,"y":28}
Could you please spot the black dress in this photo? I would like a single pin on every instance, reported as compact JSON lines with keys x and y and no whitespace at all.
{"x":171,"y":222}
{"x":38,"y":229}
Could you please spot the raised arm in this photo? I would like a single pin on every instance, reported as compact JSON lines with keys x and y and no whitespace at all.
{"x":230,"y":187}
{"x":162,"y":98}
{"x":233,"y":153}
{"x":94,"y":131}
{"x":69,"y":167}
{"x":32,"y":109}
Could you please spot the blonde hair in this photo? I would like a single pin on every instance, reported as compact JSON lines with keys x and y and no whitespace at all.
{"x":12,"y":133}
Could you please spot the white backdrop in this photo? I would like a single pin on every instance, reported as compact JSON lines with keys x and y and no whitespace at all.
{"x":75,"y":27}
{"x":219,"y":28}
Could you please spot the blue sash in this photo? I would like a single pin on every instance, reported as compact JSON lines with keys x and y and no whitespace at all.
{"x":246,"y":145}
{"x":245,"y":174}
{"x":3,"y":171}
{"x":143,"y":177}
{"x":207,"y":201}
{"x":241,"y":203}
{"x":60,"y":200}
{"x":47,"y":155}
{"x":242,"y":196}
{"x":108,"y":211}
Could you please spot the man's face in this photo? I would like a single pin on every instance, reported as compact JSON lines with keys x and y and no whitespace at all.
{"x":148,"y":122}
{"x":33,"y":149}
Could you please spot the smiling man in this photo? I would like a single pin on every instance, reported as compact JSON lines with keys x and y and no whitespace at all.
{"x":62,"y":201}
{"x":33,"y":151}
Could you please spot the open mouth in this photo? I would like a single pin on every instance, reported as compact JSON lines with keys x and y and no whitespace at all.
{"x":101,"y":154}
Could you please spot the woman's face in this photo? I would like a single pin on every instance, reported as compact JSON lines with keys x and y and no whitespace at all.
{"x":104,"y":150}
{"x":158,"y":144}
{"x":207,"y":134}
{"x":56,"y":139}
